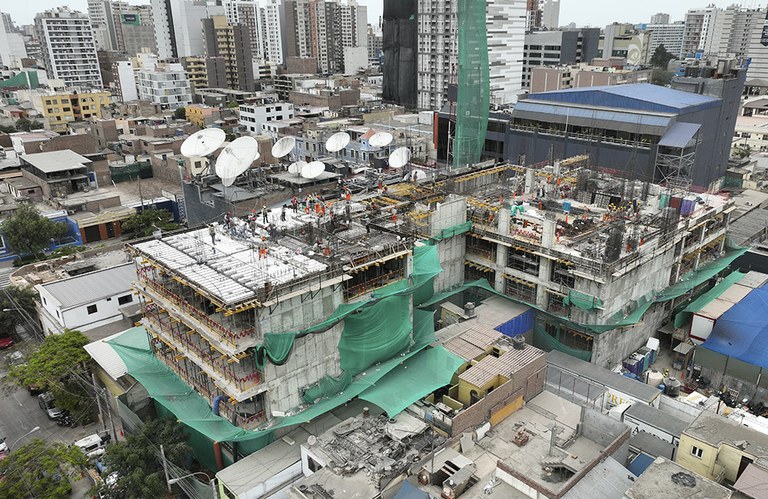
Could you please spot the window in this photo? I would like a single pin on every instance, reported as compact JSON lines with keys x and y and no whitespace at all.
{"x":92,"y":309}
{"x":695,"y":451}
{"x":122,"y":300}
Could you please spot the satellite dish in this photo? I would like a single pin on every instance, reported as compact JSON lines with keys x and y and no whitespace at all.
{"x":296,"y":167}
{"x":337,"y":142}
{"x":311,"y":440}
{"x":283,"y":147}
{"x":380,"y":139}
{"x":399,"y":157}
{"x":203,"y":143}
{"x":313,"y":170}
{"x":236,"y":158}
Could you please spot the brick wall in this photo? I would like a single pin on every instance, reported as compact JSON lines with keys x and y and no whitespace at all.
{"x":528,"y":381}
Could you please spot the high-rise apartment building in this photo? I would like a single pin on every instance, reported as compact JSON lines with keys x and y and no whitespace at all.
{"x":700,"y":28}
{"x":659,"y":18}
{"x":550,"y":13}
{"x":375,"y":45}
{"x":178,"y":32}
{"x":270,"y":32}
{"x":437,"y":63}
{"x":732,"y":33}
{"x":68,"y":48}
{"x":669,"y":35}
{"x":12,"y":48}
{"x":246,"y":13}
{"x":131,"y":28}
{"x":231,"y":42}
{"x":556,"y":48}
{"x":322,"y":30}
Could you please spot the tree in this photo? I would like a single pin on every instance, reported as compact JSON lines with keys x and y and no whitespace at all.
{"x":742,"y":151}
{"x":17,"y":300}
{"x":180,"y":113}
{"x":145,"y":222}
{"x":7,"y":128}
{"x":35,"y":470}
{"x":28,"y":232}
{"x":136,"y":463}
{"x":56,"y":366}
{"x":661,"y":57}
{"x":233,"y":104}
{"x":661,"y":77}
{"x":23,"y":124}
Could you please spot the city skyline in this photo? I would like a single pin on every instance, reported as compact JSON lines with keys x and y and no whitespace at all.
{"x":583,"y":13}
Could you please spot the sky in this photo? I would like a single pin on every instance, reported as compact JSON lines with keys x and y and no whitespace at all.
{"x":596,"y":13}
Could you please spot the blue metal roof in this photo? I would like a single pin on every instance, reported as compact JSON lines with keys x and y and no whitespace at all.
{"x":597,"y":115}
{"x":637,"y":96}
{"x":679,"y":135}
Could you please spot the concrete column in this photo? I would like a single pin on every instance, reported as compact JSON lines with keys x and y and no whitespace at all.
{"x":503,"y":221}
{"x":545,"y":270}
{"x":548,"y":232}
{"x":501,"y":262}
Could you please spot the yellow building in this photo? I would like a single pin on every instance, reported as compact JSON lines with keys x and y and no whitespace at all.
{"x":718,"y":448}
{"x":201,"y":115}
{"x":61,"y":109}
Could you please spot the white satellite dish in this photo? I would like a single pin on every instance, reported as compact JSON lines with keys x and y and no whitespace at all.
{"x":337,"y":142}
{"x":203,"y":142}
{"x":399,"y":157}
{"x":313,"y":170}
{"x":283,"y":147}
{"x":296,"y":167}
{"x":236,"y":158}
{"x":380,"y":139}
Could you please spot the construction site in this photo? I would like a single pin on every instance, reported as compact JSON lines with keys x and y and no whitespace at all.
{"x":265,"y":316}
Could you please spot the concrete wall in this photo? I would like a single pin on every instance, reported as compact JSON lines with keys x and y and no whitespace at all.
{"x":313,"y":356}
{"x":609,"y":348}
{"x":705,"y":465}
{"x":450,"y":251}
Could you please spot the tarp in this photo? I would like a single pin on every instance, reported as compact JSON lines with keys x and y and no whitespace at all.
{"x":684,"y":316}
{"x":408,"y":491}
{"x":518,"y":325}
{"x":582,"y":300}
{"x":422,"y":374}
{"x":742,"y":332}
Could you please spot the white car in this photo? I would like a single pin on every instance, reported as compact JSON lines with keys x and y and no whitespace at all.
{"x":92,"y":446}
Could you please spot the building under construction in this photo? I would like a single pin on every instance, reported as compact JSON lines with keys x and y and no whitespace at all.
{"x":264,"y":316}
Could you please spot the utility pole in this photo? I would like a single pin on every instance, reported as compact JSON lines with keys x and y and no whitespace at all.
{"x":98,"y":401}
{"x":165,"y":468}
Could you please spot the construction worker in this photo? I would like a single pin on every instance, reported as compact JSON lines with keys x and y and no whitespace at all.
{"x":264,"y":212}
{"x":348,"y":211}
{"x":282,"y":214}
{"x":212,"y":232}
{"x":295,"y":204}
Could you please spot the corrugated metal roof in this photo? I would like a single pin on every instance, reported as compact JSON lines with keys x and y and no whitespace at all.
{"x":106,"y":356}
{"x":92,"y":286}
{"x":638,"y":96}
{"x":679,"y":135}
{"x":56,"y":161}
{"x":558,"y":113}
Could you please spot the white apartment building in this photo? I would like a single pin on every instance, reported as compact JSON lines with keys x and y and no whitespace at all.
{"x":12,"y":48}
{"x":125,"y":81}
{"x":437,"y":63}
{"x":88,"y":301}
{"x":270,"y":32}
{"x":68,"y":47}
{"x":732,"y":33}
{"x":700,"y":29}
{"x":550,"y":13}
{"x":669,"y":35}
{"x":254,"y":115}
{"x":758,"y":54}
{"x":178,"y":30}
{"x":165,"y":85}
{"x":245,"y":12}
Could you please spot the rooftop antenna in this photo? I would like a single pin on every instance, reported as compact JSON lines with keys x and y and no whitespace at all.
{"x":283,"y":147}
{"x":236,"y":158}
{"x":399,"y":157}
{"x":380,"y":139}
{"x":313,"y":170}
{"x":337,"y":142}
{"x":296,"y":167}
{"x":203,"y":143}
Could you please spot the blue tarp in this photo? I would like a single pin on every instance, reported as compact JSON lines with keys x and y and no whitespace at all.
{"x":640,"y":463}
{"x":742,"y":332}
{"x":519,"y":325}
{"x":408,"y":491}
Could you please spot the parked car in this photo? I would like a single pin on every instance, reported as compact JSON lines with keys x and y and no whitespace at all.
{"x":6,"y":342}
{"x":93,"y":445}
{"x":48,"y":404}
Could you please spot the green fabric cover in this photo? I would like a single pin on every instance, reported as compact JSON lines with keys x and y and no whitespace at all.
{"x":456,"y":230}
{"x":473,"y":100}
{"x":543,"y":340}
{"x":278,"y":346}
{"x":702,"y":301}
{"x":582,"y":300}
{"x":422,"y":374}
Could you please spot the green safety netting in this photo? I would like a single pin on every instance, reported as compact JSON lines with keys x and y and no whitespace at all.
{"x":456,"y":230}
{"x":582,"y":300}
{"x":547,"y":342}
{"x":423,"y":373}
{"x":684,"y":316}
{"x":474,"y":83}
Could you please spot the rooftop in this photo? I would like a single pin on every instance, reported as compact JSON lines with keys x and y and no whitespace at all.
{"x":93,"y":286}
{"x":716,"y":430}
{"x":635,"y":96}
{"x":56,"y":161}
{"x":664,"y":478}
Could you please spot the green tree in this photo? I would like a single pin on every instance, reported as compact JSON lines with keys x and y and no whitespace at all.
{"x":38,"y":469}
{"x":28,"y":232}
{"x":56,"y":366}
{"x":136,"y":463}
{"x":233,"y":104}
{"x":661,"y":57}
{"x":19,"y":301}
{"x":7,"y":128}
{"x":145,"y":222}
{"x":661,"y":77}
{"x":742,"y":151}
{"x":180,"y":113}
{"x":23,"y":124}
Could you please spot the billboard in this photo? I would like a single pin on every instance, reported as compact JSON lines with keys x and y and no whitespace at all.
{"x":132,"y":19}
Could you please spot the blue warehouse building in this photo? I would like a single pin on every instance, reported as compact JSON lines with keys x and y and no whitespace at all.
{"x":634,"y":130}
